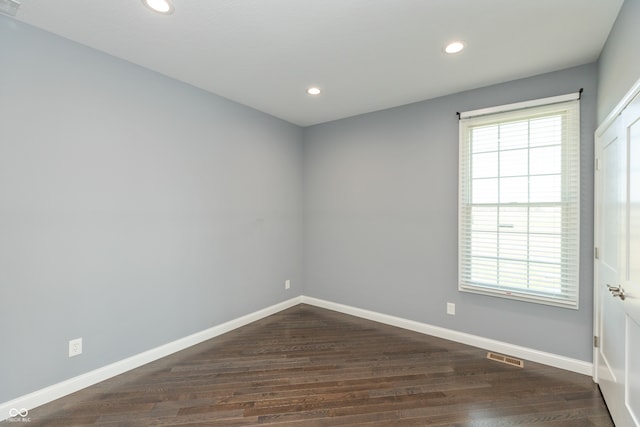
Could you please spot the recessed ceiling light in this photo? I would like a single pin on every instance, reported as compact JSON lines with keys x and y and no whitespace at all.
{"x":160,"y":6}
{"x":313,"y":91}
{"x":454,"y":47}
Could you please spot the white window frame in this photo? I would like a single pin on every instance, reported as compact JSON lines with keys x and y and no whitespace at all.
{"x":567,"y":294}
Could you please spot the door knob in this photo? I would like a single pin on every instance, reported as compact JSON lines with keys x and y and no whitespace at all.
{"x":616,"y":291}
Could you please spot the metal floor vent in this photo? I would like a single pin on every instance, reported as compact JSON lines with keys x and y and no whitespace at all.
{"x":505,"y":359}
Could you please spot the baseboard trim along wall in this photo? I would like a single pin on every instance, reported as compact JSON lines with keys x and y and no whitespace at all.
{"x":550,"y":359}
{"x":56,"y":391}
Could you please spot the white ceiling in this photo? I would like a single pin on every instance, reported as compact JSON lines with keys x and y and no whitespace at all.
{"x":366,"y":55}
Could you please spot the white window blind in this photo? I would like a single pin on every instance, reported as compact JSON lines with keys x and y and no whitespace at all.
{"x":519,"y":203}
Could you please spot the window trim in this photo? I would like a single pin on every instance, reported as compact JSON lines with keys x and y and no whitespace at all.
{"x":468,"y":119}
{"x":521,"y":105}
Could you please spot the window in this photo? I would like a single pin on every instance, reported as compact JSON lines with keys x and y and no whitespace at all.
{"x":519,"y":201}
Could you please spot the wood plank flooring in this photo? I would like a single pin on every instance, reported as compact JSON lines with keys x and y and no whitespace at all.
{"x":308,"y":366}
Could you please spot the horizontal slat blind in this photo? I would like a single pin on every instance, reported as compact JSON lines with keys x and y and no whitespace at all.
{"x":519,"y":204}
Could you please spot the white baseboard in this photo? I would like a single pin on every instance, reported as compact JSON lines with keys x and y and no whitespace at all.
{"x":550,"y":359}
{"x":56,"y":391}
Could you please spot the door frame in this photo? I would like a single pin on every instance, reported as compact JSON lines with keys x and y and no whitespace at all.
{"x":602,"y":128}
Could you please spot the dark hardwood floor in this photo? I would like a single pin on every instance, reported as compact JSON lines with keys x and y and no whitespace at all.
{"x":307,"y":366}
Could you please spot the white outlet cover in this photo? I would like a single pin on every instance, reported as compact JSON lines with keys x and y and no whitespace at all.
{"x":287,"y":284}
{"x":75,"y":347}
{"x":451,"y":308}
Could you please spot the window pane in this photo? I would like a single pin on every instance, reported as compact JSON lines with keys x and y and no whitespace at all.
{"x":483,"y":244}
{"x":484,"y":271}
{"x":546,"y":131}
{"x":513,"y":274}
{"x":513,"y":219}
{"x":545,"y":248}
{"x":484,"y":218}
{"x":545,"y":161}
{"x":545,"y":277}
{"x":484,"y":165}
{"x":514,"y":190}
{"x":546,"y":189}
{"x":513,"y":246}
{"x":514,"y":163}
{"x":484,"y":138}
{"x":514,"y":135}
{"x":484,"y":191}
{"x":545,"y":220}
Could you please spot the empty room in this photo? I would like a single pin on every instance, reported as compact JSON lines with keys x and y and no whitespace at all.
{"x":320,"y":213}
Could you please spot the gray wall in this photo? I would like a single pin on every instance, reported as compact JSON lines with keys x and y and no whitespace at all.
{"x":134,"y":209}
{"x":619,"y":64}
{"x":381,"y":217}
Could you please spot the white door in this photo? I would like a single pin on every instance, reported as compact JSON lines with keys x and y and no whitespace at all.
{"x":617,"y":358}
{"x":610,"y":358}
{"x":631,"y":275}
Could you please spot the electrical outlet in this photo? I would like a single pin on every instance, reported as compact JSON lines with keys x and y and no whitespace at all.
{"x":75,"y":347}
{"x":451,"y":308}
{"x":287,"y":284}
